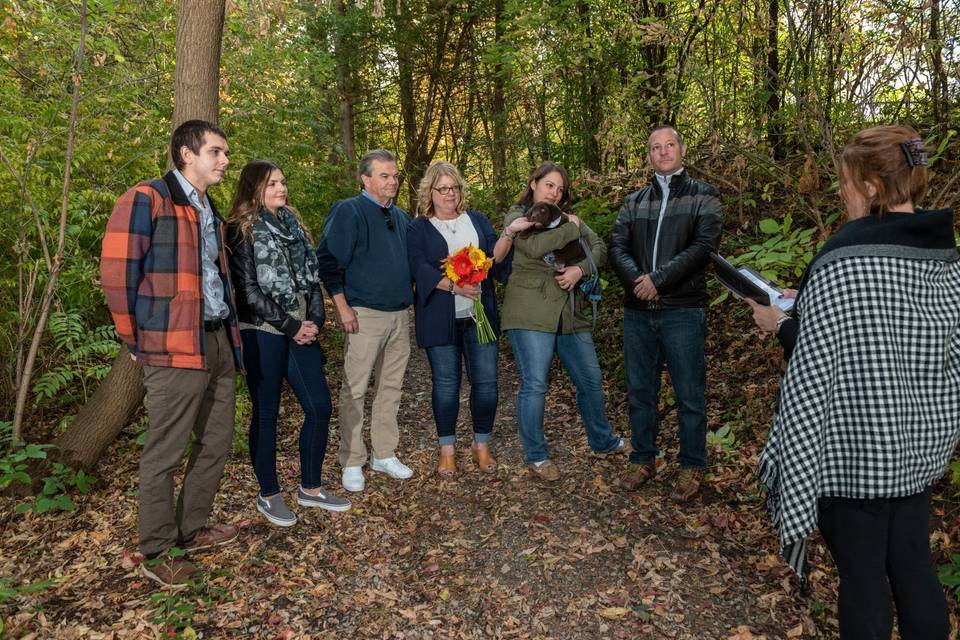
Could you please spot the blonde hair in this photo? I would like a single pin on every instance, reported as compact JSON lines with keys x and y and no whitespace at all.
{"x":248,"y":200}
{"x":875,"y":155}
{"x":425,"y":191}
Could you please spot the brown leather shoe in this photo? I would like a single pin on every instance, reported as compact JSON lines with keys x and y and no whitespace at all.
{"x":447,"y":465}
{"x":174,"y":573}
{"x":212,"y":535}
{"x":638,"y":475}
{"x":548,"y":472}
{"x":483,"y":459}
{"x":687,"y":485}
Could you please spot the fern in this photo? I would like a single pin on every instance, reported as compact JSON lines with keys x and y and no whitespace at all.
{"x":81,"y":356}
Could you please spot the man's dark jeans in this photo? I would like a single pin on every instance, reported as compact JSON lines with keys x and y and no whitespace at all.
{"x":674,"y":336}
{"x":269,"y":358}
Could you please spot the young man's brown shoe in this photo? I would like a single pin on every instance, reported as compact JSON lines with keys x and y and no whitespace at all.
{"x":212,"y":535}
{"x":638,"y":475}
{"x":174,"y":573}
{"x":687,"y":485}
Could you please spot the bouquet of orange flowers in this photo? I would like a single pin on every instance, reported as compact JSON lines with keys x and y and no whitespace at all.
{"x":471,"y":265}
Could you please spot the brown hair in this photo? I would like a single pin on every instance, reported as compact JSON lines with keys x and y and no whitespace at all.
{"x":875,"y":155}
{"x":424,"y":192}
{"x":190,"y":135}
{"x":248,"y":200}
{"x":546,"y":168}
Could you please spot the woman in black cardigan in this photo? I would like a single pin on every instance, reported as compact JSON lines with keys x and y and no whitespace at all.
{"x":280,"y":312}
{"x":443,"y":310}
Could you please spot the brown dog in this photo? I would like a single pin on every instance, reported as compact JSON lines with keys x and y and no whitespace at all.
{"x":543,"y":215}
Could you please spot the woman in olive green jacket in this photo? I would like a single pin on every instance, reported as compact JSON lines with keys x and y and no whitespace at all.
{"x":541,"y":320}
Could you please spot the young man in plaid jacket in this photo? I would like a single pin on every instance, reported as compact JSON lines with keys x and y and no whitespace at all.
{"x":166,"y":280}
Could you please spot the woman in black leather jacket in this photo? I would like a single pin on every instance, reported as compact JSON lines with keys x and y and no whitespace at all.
{"x":280,"y":312}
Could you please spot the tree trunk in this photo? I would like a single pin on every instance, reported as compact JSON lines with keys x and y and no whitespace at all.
{"x":104,"y":415}
{"x":196,"y":80}
{"x":345,"y":87}
{"x":196,"y":96}
{"x":938,"y":80}
{"x":591,"y":95}
{"x":498,"y":104}
{"x":772,"y":82}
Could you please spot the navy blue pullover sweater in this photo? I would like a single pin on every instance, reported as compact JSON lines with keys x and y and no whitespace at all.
{"x":368,"y":244}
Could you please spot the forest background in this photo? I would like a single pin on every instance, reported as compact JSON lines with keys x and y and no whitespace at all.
{"x":764,"y":91}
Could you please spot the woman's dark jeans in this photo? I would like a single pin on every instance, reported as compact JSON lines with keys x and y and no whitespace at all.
{"x":882,"y":551}
{"x":446,"y":365}
{"x":268,"y":359}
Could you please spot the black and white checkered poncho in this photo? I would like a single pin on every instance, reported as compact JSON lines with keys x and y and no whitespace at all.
{"x":870,"y":403}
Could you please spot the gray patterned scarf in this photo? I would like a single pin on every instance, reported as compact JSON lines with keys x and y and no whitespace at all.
{"x":286,"y":264}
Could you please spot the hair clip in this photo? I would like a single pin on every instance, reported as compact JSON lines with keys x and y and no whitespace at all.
{"x":915,"y":152}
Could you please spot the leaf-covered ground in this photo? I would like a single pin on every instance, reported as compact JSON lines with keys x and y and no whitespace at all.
{"x":482,"y":556}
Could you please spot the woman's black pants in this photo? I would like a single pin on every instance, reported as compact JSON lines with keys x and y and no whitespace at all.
{"x":882,"y":548}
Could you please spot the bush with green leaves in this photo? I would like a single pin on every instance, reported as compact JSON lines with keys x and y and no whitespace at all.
{"x":84,"y":357}
{"x":781,"y":255}
{"x":15,"y":463}
{"x":949,"y":574}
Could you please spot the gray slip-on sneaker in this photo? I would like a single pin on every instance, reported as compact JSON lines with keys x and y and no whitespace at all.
{"x":276,"y":510}
{"x":324,"y":500}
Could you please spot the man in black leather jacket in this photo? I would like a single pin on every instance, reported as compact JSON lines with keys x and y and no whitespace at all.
{"x":660,"y":248}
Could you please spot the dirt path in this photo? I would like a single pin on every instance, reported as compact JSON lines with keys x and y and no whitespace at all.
{"x":496,"y":556}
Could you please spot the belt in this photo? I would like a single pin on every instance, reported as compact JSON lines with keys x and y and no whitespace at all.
{"x":212,"y":325}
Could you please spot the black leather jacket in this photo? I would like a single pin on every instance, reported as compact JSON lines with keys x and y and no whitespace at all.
{"x":689,"y":232}
{"x":253,"y":305}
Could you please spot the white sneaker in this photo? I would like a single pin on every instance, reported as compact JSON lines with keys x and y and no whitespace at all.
{"x":352,"y":479}
{"x":392,"y":467}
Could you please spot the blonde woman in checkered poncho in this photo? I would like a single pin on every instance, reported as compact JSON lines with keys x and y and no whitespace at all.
{"x":869,"y":414}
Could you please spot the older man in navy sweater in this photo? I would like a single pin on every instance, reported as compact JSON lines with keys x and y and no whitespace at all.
{"x":364,"y":246}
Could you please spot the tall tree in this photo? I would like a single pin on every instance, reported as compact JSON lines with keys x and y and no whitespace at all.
{"x":196,"y":91}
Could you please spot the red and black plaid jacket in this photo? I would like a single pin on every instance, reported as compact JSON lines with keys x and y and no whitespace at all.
{"x":152,"y":276}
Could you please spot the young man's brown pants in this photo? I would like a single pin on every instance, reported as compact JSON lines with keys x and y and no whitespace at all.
{"x":181,"y":402}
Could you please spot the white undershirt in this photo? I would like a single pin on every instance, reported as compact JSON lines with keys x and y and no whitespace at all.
{"x":665,"y":187}
{"x":458,"y":233}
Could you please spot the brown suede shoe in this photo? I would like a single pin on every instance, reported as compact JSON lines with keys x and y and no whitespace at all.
{"x":212,"y":535}
{"x":638,"y":475}
{"x":174,"y":573}
{"x":687,"y":485}
{"x":547,"y":472}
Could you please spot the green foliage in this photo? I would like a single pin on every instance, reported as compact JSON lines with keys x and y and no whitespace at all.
{"x":85,"y":357}
{"x":782,"y":255}
{"x":955,"y":478}
{"x":785,"y":252}
{"x":14,"y":463}
{"x":54,"y":490}
{"x":9,"y":592}
{"x":949,"y":574}
{"x":175,"y":611}
{"x":722,"y":440}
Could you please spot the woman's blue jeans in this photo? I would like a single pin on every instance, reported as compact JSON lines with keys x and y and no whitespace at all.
{"x":446,"y":364}
{"x":534,"y":352}
{"x":269,"y":359}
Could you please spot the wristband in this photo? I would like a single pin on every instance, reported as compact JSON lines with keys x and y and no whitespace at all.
{"x":509,"y":236}
{"x":450,"y":288}
{"x":780,"y":322}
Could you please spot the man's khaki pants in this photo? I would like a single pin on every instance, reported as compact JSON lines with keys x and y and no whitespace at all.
{"x":181,"y":402}
{"x":381,"y":347}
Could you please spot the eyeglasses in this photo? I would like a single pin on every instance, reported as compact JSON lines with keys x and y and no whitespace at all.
{"x":389,"y":220}
{"x":445,"y":190}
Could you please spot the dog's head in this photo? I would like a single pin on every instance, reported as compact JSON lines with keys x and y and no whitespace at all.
{"x":543,"y":214}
